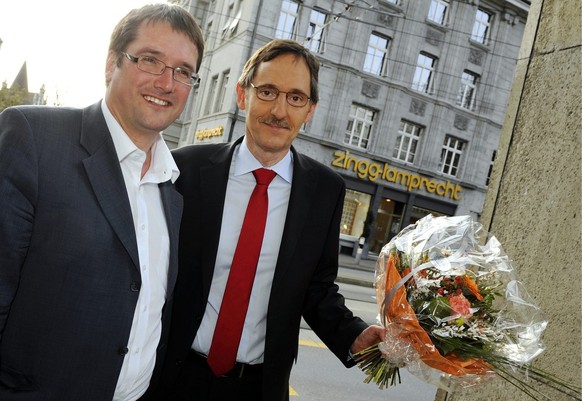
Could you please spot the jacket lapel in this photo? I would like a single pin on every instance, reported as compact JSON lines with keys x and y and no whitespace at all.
{"x":213,"y":183}
{"x":173,"y":204}
{"x":303,"y":188}
{"x":104,"y":173}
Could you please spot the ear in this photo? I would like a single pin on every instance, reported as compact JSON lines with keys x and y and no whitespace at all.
{"x":309,"y":115}
{"x":110,"y":65}
{"x":240,"y":96}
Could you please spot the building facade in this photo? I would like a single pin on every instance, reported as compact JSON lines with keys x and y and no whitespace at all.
{"x":412,"y":97}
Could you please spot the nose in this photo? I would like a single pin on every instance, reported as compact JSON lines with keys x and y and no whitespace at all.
{"x":279,"y":108}
{"x":165,"y":80}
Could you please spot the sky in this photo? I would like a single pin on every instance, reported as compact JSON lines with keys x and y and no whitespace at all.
{"x":64,"y":44}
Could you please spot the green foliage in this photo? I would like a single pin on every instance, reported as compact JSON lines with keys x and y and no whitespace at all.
{"x":12,"y":97}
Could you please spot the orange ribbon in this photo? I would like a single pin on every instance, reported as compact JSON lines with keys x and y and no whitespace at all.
{"x":400,"y":312}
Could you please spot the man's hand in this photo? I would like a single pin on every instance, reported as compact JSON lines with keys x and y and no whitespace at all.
{"x":370,"y":336}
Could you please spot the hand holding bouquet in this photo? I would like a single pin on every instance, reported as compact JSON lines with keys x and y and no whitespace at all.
{"x":453,"y":309}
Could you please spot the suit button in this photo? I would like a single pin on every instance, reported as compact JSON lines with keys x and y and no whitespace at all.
{"x":123,"y":350}
{"x":134,"y":287}
{"x":179,"y":362}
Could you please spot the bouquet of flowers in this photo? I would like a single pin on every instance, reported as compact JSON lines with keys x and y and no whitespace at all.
{"x":453,"y":310}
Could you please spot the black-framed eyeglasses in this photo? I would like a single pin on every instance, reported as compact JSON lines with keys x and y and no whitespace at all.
{"x":269,"y":93}
{"x":154,"y":66}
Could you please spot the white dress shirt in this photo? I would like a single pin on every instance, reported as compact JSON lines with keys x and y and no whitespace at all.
{"x":241,"y":183}
{"x":154,"y":250}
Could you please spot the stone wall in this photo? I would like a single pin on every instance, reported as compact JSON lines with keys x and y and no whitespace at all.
{"x":533,"y":205}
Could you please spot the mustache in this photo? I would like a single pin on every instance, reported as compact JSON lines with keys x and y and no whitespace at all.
{"x":274,"y":121}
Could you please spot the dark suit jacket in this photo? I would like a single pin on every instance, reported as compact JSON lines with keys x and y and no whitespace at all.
{"x":69,"y":277}
{"x":303,"y":284}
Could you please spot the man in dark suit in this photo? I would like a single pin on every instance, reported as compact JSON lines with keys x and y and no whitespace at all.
{"x":89,"y":222}
{"x":298,"y":260}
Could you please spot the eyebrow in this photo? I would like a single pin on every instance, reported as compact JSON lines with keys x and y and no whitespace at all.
{"x":157,"y":54}
{"x":294,"y":90}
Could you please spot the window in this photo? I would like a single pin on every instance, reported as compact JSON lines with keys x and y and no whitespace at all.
{"x":424,"y":73}
{"x":211,"y":95}
{"x":287,"y":18}
{"x":222,"y":96}
{"x":315,"y":33}
{"x":359,"y":126}
{"x":438,"y":11}
{"x":407,"y":141}
{"x":466,"y":97}
{"x":451,"y":155}
{"x":482,"y":26}
{"x":376,"y":57}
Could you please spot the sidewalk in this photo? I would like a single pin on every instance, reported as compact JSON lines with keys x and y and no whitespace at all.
{"x":355,"y":272}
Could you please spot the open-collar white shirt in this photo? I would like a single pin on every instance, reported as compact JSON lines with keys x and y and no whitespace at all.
{"x":154,"y":254}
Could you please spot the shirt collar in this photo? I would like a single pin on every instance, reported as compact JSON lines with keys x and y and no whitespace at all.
{"x":162,"y":160}
{"x":245,"y":162}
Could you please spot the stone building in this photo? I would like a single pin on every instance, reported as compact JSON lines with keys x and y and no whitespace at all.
{"x":412,"y":97}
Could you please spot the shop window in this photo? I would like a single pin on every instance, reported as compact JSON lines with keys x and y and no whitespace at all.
{"x":356,"y":206}
{"x":418,"y":213}
{"x":388,"y":223}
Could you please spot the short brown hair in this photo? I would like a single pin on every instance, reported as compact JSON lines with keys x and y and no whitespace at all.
{"x":179,"y":19}
{"x":277,"y":48}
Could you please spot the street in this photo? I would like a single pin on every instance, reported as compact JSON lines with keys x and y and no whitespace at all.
{"x":320,"y":376}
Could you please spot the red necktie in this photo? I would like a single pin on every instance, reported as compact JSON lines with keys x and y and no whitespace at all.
{"x":235,"y":302}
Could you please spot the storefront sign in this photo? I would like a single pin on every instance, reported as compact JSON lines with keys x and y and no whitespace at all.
{"x":373,"y":171}
{"x":209,"y":132}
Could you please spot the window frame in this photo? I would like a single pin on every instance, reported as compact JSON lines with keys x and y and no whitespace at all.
{"x":468,"y":87}
{"x":372,"y":53}
{"x":316,"y":30}
{"x":433,"y":9}
{"x":451,"y":154}
{"x":361,"y":119}
{"x":481,"y":31}
{"x":211,"y":98}
{"x":420,"y":84}
{"x":286,"y":15}
{"x":409,"y":136}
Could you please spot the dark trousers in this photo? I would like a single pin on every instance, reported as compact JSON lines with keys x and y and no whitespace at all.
{"x":196,"y":382}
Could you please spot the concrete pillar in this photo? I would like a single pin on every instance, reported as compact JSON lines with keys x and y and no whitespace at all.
{"x":533,"y":205}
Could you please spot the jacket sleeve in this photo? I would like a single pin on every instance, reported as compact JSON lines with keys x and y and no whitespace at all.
{"x":327,"y":314}
{"x":18,"y":193}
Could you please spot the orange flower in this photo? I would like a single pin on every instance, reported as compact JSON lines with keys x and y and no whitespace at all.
{"x":470,"y":285}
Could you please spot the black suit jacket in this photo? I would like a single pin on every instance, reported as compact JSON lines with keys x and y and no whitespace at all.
{"x":69,"y":268}
{"x":303,"y":284}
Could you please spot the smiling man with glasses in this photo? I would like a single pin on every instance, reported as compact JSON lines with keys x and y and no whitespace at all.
{"x":293,"y":275}
{"x":89,"y":221}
